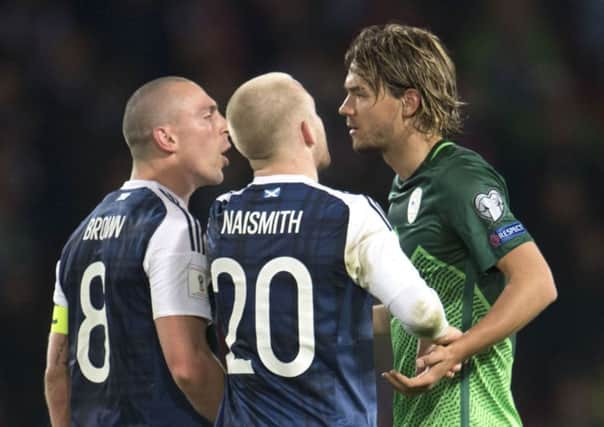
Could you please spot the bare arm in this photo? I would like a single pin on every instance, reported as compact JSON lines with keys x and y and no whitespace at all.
{"x":192,"y":365}
{"x":529,"y":290}
{"x":381,"y":320}
{"x":57,"y":383}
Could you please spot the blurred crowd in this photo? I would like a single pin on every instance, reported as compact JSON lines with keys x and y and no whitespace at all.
{"x":532,"y":73}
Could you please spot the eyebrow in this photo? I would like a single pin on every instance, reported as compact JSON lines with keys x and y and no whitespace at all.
{"x":355,"y":88}
{"x":210,"y":108}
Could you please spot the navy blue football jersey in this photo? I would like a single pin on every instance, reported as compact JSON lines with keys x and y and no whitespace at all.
{"x":288,"y":258}
{"x":137,"y":257}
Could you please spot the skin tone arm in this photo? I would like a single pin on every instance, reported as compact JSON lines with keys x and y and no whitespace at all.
{"x":530,"y":288}
{"x":57,"y":383}
{"x":381,"y":326}
{"x":381,"y":320}
{"x":193,"y":366}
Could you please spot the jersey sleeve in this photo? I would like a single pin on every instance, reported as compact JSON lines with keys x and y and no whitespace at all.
{"x":476,"y":204}
{"x":177,"y":270}
{"x":58,"y":296}
{"x":375,"y":261}
{"x":60,"y":316}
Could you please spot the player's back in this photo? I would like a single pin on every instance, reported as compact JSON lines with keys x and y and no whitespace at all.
{"x":118,"y":373}
{"x":298,"y":328}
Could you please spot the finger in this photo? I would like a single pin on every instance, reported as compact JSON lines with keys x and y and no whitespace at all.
{"x":456,"y":368}
{"x":419,"y":383}
{"x":401,"y":385}
{"x":421,"y":371}
{"x":430,"y":359}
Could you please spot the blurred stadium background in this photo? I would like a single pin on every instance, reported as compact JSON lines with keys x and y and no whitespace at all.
{"x":532,"y":73}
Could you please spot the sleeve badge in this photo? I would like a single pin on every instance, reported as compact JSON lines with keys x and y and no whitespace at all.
{"x":490,"y":206}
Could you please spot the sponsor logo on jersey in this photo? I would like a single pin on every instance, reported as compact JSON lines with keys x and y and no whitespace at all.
{"x":275,"y":192}
{"x":506,"y":233}
{"x":415,"y":202}
{"x":490,"y":206}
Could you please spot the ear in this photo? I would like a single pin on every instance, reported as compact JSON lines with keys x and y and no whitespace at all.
{"x":411,"y":100}
{"x":307,"y":135}
{"x":164,"y":139}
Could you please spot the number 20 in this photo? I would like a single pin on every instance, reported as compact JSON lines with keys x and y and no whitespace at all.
{"x":306,"y":329}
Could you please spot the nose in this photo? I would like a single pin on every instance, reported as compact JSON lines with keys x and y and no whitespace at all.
{"x":345,"y":109}
{"x":223,"y":124}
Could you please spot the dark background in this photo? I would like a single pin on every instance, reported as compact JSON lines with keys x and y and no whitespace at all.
{"x":531,"y":71}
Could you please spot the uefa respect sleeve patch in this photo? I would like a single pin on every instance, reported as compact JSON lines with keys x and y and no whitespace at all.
{"x":506,"y":233}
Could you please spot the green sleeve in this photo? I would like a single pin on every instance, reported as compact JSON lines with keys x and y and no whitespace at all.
{"x":476,"y":205}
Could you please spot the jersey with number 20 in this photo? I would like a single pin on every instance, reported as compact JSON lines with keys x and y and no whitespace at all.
{"x":285,"y":270}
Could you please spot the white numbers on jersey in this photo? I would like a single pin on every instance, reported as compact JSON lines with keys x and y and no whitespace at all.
{"x":93,"y":317}
{"x":306,"y":328}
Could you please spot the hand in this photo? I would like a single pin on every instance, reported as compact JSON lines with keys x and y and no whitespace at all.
{"x":451,"y":334}
{"x":438,"y":363}
{"x":425,"y":347}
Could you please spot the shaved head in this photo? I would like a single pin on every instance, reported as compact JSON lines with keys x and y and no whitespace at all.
{"x":153,"y":104}
{"x":265,"y":112}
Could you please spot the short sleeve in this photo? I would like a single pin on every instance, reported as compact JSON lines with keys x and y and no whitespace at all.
{"x":176,"y":268}
{"x":476,"y":205}
{"x":58,"y":296}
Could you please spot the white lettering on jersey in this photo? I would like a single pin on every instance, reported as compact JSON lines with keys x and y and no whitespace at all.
{"x":104,"y":227}
{"x":261,"y":222}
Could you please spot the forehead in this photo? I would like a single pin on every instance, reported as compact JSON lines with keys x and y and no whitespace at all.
{"x":353,"y":80}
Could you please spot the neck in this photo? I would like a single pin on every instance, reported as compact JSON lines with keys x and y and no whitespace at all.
{"x":166,"y":176}
{"x":291,"y":166}
{"x":407,"y":154}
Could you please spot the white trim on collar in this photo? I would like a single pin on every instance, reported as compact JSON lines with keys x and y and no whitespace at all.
{"x":131,"y":184}
{"x":275,"y":179}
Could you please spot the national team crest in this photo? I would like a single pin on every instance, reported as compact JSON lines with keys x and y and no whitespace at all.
{"x":490,"y":206}
{"x":415,"y":202}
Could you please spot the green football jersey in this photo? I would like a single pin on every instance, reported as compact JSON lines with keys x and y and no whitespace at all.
{"x":454,"y":222}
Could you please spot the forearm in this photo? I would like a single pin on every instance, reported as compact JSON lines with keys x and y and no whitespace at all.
{"x":203,"y":385}
{"x":57,"y":382}
{"x":381,"y":320}
{"x":57,"y":391}
{"x":519,"y":303}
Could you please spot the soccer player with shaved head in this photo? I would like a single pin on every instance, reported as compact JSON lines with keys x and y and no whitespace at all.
{"x":128,"y":338}
{"x":451,"y":211}
{"x":295,"y":266}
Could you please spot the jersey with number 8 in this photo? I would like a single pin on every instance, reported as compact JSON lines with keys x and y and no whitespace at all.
{"x":137,"y":257}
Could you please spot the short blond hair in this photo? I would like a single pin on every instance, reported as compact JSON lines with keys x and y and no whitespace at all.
{"x":395,"y":58}
{"x":262,"y":113}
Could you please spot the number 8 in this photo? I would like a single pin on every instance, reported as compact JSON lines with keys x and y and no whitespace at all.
{"x":93,"y":317}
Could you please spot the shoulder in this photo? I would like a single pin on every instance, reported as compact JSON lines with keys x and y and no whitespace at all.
{"x":464,"y":169}
{"x":178,"y":229}
{"x":362,"y":209}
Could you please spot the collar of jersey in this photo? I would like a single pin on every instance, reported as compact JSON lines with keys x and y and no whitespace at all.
{"x":131,"y":184}
{"x":432,"y":154}
{"x":272,"y":179}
